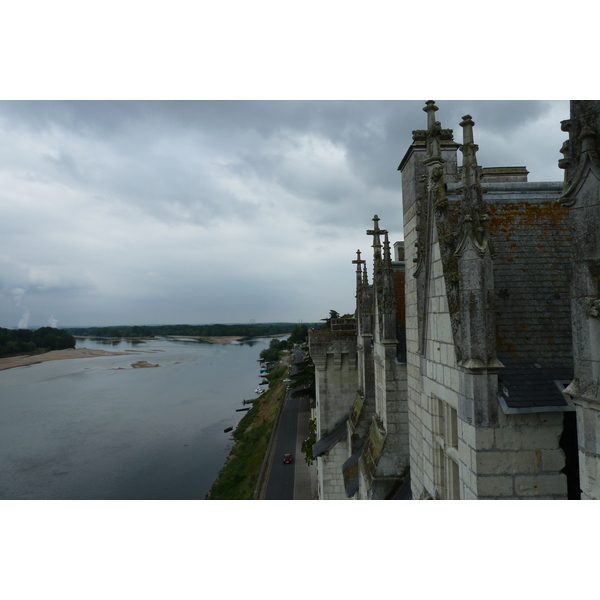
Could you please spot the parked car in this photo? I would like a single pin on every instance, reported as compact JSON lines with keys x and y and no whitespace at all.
{"x":287,"y":458}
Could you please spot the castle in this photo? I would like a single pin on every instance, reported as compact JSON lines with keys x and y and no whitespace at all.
{"x":471,"y":369}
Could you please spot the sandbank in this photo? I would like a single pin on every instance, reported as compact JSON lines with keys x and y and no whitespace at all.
{"x":24,"y":361}
{"x":143,"y":364}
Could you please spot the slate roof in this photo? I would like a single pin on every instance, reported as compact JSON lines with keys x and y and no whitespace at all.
{"x":532,"y":274}
{"x":329,"y":440}
{"x":525,"y":386}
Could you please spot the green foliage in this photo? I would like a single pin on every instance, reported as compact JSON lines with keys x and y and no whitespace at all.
{"x":304,"y":379}
{"x":238,"y":477}
{"x":299,"y":334}
{"x":277,"y":375}
{"x":248,"y":419}
{"x":307,"y":444}
{"x":273,"y":352}
{"x":28,"y":341}
{"x":270,"y":355}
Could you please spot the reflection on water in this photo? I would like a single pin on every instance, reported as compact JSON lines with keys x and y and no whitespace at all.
{"x":96,"y":428}
{"x":251,"y":342}
{"x":100,"y":342}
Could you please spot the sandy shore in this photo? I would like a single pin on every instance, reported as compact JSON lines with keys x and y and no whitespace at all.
{"x":23,"y":361}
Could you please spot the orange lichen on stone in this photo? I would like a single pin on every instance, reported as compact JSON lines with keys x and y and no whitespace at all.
{"x":546,"y":216}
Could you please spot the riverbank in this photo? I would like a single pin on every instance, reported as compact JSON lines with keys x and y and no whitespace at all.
{"x":238,"y":478}
{"x":26,"y":360}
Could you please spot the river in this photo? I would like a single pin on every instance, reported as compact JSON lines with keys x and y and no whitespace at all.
{"x":96,"y":428}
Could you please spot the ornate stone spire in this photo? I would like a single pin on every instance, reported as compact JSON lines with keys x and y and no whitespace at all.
{"x":434,"y":130}
{"x":469,"y":149}
{"x":358,"y":262}
{"x":475,"y":215}
{"x":376,"y":232}
{"x":477,"y":352}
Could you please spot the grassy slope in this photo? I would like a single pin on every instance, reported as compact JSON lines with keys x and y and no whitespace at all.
{"x":237,"y":479}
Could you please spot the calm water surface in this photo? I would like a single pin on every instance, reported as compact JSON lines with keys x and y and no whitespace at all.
{"x":95,"y":428}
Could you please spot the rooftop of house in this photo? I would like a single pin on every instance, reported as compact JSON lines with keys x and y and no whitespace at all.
{"x":532,"y":273}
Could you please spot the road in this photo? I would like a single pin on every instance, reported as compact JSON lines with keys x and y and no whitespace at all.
{"x":281,"y":481}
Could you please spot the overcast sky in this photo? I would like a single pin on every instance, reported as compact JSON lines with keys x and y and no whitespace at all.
{"x":151,"y":212}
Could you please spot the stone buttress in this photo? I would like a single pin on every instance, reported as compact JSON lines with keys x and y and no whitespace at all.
{"x":581,"y":194}
{"x":333,"y":353}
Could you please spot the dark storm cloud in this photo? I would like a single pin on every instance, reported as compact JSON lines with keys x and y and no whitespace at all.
{"x":156,"y":211}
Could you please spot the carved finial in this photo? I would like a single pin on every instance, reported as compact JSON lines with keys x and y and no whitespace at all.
{"x":469,"y":150}
{"x":430,"y":109}
{"x":376,"y":232}
{"x":467,"y":125}
{"x":358,"y":262}
{"x":434,"y":130}
{"x":475,"y":213}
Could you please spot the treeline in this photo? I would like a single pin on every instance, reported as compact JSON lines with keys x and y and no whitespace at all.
{"x":28,"y":341}
{"x":126,"y":331}
{"x":298,"y":335}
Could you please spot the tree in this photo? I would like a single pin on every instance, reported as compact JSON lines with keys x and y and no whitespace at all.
{"x":299,"y":334}
{"x":304,"y":379}
{"x":307,"y":444}
{"x":333,"y":314}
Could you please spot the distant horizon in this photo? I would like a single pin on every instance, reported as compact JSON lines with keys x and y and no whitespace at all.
{"x":303,"y":322}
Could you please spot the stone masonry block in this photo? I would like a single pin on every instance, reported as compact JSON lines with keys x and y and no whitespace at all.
{"x":467,"y":433}
{"x":494,"y":486}
{"x":508,"y":438}
{"x":541,"y":485}
{"x":484,"y":438}
{"x":464,"y":452}
{"x":508,"y":463}
{"x":540,"y":438}
{"x":553,"y":460}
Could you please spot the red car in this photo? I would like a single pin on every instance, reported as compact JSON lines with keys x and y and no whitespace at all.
{"x":287,"y":458}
